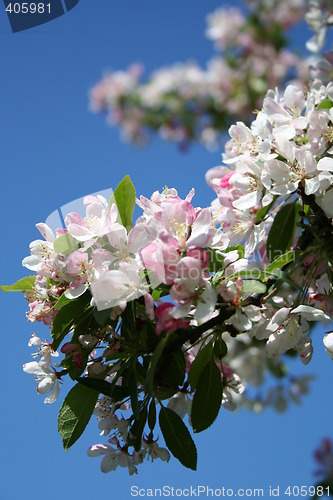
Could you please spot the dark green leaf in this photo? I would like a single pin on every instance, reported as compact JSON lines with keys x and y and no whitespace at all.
{"x":207,"y":398}
{"x":128,"y":323}
{"x":133,"y":389}
{"x":281,"y":261}
{"x":220,"y":348}
{"x":201,"y":360}
{"x":75,"y":413}
{"x":281,"y":234}
{"x":102,"y":316}
{"x":124,"y":196}
{"x":117,"y":393}
{"x":177,"y":438}
{"x":152,"y":415}
{"x":67,"y":317}
{"x":21,"y":285}
{"x":163,"y":393}
{"x":149,"y":384}
{"x":172,"y":371}
{"x":136,"y":431}
{"x":63,"y":300}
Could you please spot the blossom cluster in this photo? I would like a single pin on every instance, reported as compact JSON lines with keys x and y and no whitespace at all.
{"x":286,"y":153}
{"x":153,"y":307}
{"x":185,"y":102}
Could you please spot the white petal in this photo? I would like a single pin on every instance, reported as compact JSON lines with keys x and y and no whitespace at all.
{"x":46,"y":232}
{"x":33,"y":368}
{"x":74,"y":293}
{"x":249,"y":200}
{"x":46,"y":384}
{"x":110,"y":462}
{"x":54,"y":394}
{"x":310,"y":313}
{"x":312,"y":185}
{"x":328,"y":343}
{"x":325,"y":164}
{"x":100,"y":449}
{"x":240,"y":321}
{"x":31,"y":262}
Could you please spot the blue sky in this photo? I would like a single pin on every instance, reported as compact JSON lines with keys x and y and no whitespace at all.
{"x":53,"y":150}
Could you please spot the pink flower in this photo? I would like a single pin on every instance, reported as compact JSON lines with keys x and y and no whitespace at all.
{"x":166,"y":322}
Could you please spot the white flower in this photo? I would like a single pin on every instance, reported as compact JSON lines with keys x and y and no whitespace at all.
{"x":180,"y":403}
{"x":326,"y":202}
{"x":305,"y":350}
{"x":289,"y":328}
{"x":328,"y":343}
{"x":46,"y":379}
{"x":118,"y":286}
{"x":112,"y":458}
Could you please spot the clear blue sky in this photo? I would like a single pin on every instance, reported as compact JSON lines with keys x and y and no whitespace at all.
{"x":53,"y":150}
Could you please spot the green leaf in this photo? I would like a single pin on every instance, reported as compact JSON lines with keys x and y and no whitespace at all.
{"x":160,"y":291}
{"x":253,"y":286}
{"x":124,"y":196}
{"x":220,"y":348}
{"x":66,"y":317}
{"x":251,"y":274}
{"x":136,"y":431}
{"x":102,"y":316}
{"x":65,"y":244}
{"x":177,"y":438}
{"x":326,"y":104}
{"x":21,"y":285}
{"x":117,"y":393}
{"x":201,"y":360}
{"x":133,"y":389}
{"x":62,"y":301}
{"x":152,"y":415}
{"x":128,"y":322}
{"x":216,"y":260}
{"x":172,"y":371}
{"x":149,"y":383}
{"x":207,"y":398}
{"x":281,"y":234}
{"x":75,"y":413}
{"x":263,"y":211}
{"x":281,"y":261}
{"x":165,"y":392}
